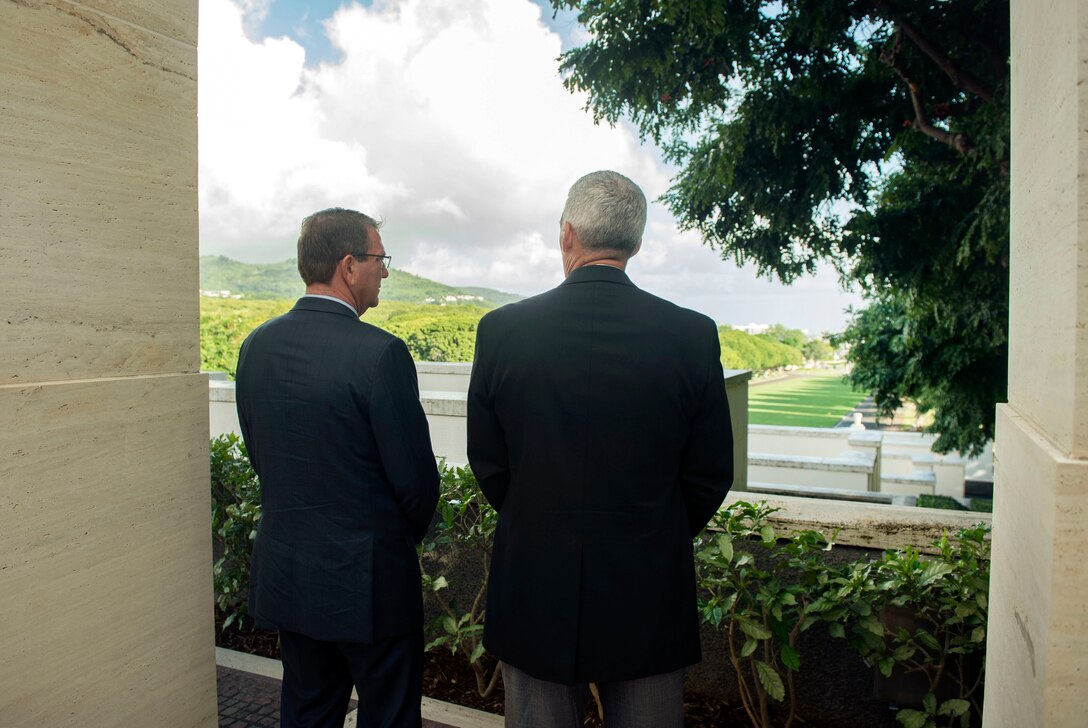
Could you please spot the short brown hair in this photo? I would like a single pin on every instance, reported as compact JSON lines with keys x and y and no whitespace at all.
{"x":326,"y":237}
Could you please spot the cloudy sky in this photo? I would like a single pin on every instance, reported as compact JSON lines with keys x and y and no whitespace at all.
{"x":446,"y":118}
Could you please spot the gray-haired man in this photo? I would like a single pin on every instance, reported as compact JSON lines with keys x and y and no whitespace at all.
{"x":599,"y":428}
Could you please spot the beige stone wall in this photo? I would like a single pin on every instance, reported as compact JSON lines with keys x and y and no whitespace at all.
{"x":105,"y":586}
{"x":1049,"y":301}
{"x":1037,"y":664}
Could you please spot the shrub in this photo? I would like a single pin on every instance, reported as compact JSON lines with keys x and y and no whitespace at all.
{"x":463,"y":530}
{"x":922,"y":616}
{"x":236,"y":511}
{"x":926,"y":500}
{"x":761,"y":606}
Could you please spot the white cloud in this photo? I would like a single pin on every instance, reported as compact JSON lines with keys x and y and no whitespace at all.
{"x":445,"y":206}
{"x":447,"y":119}
{"x":264,"y":163}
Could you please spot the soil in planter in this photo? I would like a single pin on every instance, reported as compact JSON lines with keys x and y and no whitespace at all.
{"x":449,"y":678}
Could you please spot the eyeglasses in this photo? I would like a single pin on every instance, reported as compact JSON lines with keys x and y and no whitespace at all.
{"x":386,"y":260}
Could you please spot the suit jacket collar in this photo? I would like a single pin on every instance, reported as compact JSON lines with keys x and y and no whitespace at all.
{"x":323,"y":305}
{"x":595,"y":273}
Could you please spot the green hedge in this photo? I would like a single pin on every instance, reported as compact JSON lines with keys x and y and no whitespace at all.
{"x":743,"y":351}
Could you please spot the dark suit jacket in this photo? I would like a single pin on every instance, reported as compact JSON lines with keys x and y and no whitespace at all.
{"x":329,"y":409}
{"x":598,"y":427}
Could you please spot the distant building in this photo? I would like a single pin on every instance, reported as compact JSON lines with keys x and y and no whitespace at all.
{"x":751,"y":329}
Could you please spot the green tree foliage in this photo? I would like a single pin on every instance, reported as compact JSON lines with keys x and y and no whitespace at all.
{"x":743,"y":351}
{"x":790,"y":337}
{"x":817,"y":350}
{"x":437,"y":333}
{"x":904,"y":350}
{"x":873,"y":135}
{"x":224,"y":325}
{"x":432,"y":333}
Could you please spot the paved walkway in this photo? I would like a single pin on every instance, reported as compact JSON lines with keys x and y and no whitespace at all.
{"x":249,"y":697}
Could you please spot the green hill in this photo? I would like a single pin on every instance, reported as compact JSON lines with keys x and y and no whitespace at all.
{"x":492,"y":296}
{"x":268,"y":281}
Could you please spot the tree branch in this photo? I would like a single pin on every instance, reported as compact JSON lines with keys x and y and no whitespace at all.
{"x":958,"y":141}
{"x":962,"y":79}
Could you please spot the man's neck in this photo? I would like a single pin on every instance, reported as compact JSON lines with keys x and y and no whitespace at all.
{"x":573,"y":265}
{"x":323,"y":289}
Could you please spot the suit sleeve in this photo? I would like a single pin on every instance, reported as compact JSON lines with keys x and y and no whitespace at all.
{"x":403,"y":438}
{"x":706,"y":472}
{"x":242,"y":406}
{"x":487,"y":452}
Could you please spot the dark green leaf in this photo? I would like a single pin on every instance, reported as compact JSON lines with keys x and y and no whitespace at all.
{"x":770,"y":680}
{"x":791,"y":658}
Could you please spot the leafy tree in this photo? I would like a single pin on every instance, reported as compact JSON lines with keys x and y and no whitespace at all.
{"x":432,"y":332}
{"x":872,"y":134}
{"x":790,"y":337}
{"x":817,"y":350}
{"x":224,"y":325}
{"x":940,"y":354}
{"x":438,"y":334}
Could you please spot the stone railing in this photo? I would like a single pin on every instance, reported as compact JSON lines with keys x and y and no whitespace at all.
{"x":822,"y":478}
{"x":443,"y":394}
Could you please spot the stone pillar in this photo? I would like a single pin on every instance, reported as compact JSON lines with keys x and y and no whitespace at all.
{"x":736,"y":391}
{"x":1037,"y":665}
{"x":105,"y":552}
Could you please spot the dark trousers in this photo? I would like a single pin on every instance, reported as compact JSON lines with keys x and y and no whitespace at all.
{"x":318,"y":677}
{"x":649,"y":702}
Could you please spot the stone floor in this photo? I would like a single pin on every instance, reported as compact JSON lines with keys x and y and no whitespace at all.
{"x":247,"y":700}
{"x":249,"y":697}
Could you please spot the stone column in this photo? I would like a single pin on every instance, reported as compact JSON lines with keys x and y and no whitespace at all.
{"x":1037,"y":665}
{"x":105,"y":553}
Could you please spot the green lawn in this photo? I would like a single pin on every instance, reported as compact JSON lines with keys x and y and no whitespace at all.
{"x":805,"y":400}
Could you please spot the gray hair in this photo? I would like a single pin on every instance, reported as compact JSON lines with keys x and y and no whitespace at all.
{"x":608,"y":211}
{"x":327,"y":236}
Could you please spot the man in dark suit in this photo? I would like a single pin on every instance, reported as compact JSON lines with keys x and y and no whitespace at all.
{"x":598,"y":427}
{"x":329,"y":409}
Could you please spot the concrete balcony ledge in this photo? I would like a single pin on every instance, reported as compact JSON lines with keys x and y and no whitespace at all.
{"x":868,"y":525}
{"x":918,"y":442}
{"x":443,"y":367}
{"x":822,"y":442}
{"x":914,"y":478}
{"x":444,"y":404}
{"x":220,"y":390}
{"x":850,"y":462}
{"x":828,"y":433}
{"x":840,"y":494}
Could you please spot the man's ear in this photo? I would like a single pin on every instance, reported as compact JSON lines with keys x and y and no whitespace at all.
{"x":345,"y":269}
{"x":638,"y":247}
{"x":567,"y":236}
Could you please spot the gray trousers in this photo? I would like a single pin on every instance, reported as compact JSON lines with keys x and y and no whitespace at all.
{"x":649,"y":702}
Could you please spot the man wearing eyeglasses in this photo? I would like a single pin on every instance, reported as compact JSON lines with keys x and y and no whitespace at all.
{"x":329,"y":409}
{"x":599,"y":429}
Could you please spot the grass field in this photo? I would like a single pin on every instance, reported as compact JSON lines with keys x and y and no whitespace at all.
{"x":805,"y":400}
